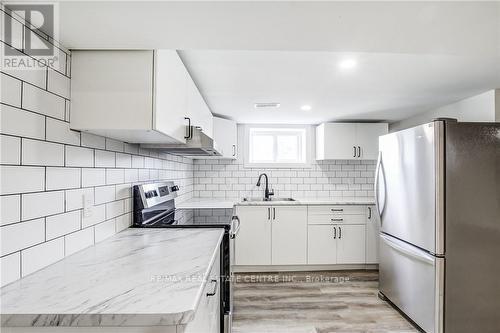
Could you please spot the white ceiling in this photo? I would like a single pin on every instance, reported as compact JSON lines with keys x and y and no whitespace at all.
{"x":381,"y":87}
{"x":412,"y":55}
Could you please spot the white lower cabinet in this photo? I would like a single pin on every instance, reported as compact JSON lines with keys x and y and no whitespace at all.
{"x":351,"y":244}
{"x":336,"y":244}
{"x":207,"y":316}
{"x":289,"y":230}
{"x":322,"y":246}
{"x":372,"y":235}
{"x":306,"y":235}
{"x":271,"y":235}
{"x":253,"y":243}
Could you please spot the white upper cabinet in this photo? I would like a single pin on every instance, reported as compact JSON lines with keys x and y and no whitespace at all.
{"x":226,"y":137}
{"x":135,"y":96}
{"x":348,"y":141}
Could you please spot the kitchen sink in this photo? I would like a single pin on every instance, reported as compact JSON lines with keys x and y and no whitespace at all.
{"x":263,"y":199}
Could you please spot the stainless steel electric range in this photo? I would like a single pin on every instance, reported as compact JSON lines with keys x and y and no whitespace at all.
{"x":154,"y":207}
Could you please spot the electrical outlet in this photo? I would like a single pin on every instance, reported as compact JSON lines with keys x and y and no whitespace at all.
{"x":88,"y":205}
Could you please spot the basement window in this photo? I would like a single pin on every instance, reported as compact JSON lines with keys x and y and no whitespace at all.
{"x":277,"y":146}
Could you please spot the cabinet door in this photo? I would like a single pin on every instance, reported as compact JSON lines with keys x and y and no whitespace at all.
{"x":253,"y":242}
{"x":289,"y":235}
{"x":322,"y":245}
{"x":171,"y":80}
{"x":198,"y":110}
{"x":336,"y":141}
{"x":351,"y":244}
{"x":372,"y":236}
{"x":225,"y":136}
{"x":367,"y":139}
{"x":112,"y":92}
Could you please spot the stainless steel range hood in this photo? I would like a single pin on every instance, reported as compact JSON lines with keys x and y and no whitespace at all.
{"x":197,"y":145}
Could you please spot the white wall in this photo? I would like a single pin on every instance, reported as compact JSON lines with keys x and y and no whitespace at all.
{"x":46,"y":168}
{"x":484,"y":107}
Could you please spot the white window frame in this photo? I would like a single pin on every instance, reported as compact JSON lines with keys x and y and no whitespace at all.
{"x":308,"y":147}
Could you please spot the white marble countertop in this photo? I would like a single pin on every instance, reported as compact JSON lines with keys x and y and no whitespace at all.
{"x":139,"y":277}
{"x":213,"y":203}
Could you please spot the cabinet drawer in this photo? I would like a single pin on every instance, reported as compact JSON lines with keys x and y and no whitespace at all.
{"x":337,"y":209}
{"x":336,"y":219}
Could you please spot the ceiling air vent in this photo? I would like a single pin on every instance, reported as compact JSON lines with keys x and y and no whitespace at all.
{"x":266,"y":105}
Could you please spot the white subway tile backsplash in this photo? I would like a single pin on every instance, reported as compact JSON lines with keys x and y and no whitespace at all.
{"x":41,"y":204}
{"x":123,"y":191}
{"x":105,"y":159}
{"x":104,"y":194}
{"x":58,"y":83}
{"x":114,"y":145}
{"x":10,"y":149}
{"x":79,"y":157}
{"x":11,"y":90}
{"x":78,"y":241}
{"x":137,"y":162}
{"x":11,"y":268}
{"x":35,"y":152}
{"x":37,"y":257}
{"x":21,"y":235}
{"x":93,"y":177}
{"x":115,"y":176}
{"x":10,"y":209}
{"x":115,"y":208}
{"x":62,"y":224}
{"x":33,"y":179}
{"x":98,"y":215}
{"x":74,"y":198}
{"x":18,"y":122}
{"x":104,"y":230}
{"x":93,"y":141}
{"x":123,"y":222}
{"x":36,"y":77}
{"x":123,"y":160}
{"x":62,"y":178}
{"x":58,"y":131}
{"x":131,"y":175}
{"x":38,"y":100}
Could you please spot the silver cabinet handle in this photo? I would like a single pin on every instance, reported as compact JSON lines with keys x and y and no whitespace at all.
{"x":334,"y":232}
{"x":337,"y":220}
{"x":337,"y":209}
{"x":234,"y":231}
{"x":234,"y":150}
{"x":340,"y":232}
{"x":354,"y":154}
{"x":269,"y":213}
{"x":369,"y":213}
{"x":215,"y":288}
{"x":189,"y":132}
{"x":274,"y":213}
{"x":359,"y":151}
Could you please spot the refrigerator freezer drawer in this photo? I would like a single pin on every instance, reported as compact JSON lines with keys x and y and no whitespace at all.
{"x":412,"y":280}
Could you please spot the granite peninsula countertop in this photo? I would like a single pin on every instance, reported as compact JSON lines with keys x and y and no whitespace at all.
{"x":215,"y":203}
{"x":139,"y":277}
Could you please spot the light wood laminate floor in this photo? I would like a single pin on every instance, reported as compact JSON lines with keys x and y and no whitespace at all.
{"x":313,"y":302}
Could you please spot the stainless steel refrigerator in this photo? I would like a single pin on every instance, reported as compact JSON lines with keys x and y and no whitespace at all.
{"x":438,"y":196}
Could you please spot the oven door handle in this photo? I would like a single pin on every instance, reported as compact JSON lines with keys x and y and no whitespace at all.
{"x":154,"y":218}
{"x":234,"y":231}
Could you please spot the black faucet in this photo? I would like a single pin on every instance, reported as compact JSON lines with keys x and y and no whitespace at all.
{"x":267,"y":193}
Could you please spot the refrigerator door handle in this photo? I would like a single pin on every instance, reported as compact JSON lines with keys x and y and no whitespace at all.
{"x":380,"y":208}
{"x":406,"y":249}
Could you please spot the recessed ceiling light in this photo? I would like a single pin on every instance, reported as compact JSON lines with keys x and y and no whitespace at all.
{"x":306,"y":108}
{"x":348,"y":64}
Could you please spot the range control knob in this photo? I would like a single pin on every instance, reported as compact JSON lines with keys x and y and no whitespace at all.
{"x":175,"y":188}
